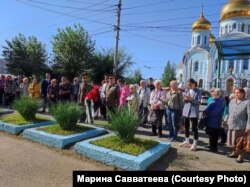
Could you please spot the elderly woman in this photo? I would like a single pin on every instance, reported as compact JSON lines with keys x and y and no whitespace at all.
{"x":133,"y":99}
{"x":157,"y":108}
{"x":213,"y":118}
{"x":238,"y":119}
{"x":190,"y":112}
{"x":34,"y":89}
{"x":174,"y":103}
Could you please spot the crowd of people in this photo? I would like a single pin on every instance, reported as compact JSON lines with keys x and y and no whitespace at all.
{"x":225,"y":118}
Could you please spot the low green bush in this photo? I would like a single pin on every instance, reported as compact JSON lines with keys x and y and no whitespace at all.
{"x":67,"y":114}
{"x":124,"y":124}
{"x":27,"y":107}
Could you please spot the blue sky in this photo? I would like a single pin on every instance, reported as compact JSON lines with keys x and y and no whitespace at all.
{"x":152,"y":31}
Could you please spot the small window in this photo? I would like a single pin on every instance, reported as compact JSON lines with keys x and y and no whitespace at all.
{"x":231,"y":65}
{"x":205,"y":40}
{"x":216,"y":65}
{"x":248,"y":29}
{"x":226,"y":29}
{"x":245,"y":64}
{"x":234,"y":26}
{"x":196,"y":66}
{"x":198,"y":40}
{"x":242,"y":27}
{"x":193,"y":40}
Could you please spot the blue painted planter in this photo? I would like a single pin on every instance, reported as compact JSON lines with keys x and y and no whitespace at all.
{"x":121,"y":160}
{"x":60,"y":141}
{"x":6,"y":111}
{"x":17,"y":129}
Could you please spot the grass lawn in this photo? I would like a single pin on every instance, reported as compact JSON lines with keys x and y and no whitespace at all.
{"x":104,"y":124}
{"x":136,"y":148}
{"x":17,"y":119}
{"x":56,"y":129}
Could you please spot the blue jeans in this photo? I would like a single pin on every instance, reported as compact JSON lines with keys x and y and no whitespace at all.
{"x":173,"y":122}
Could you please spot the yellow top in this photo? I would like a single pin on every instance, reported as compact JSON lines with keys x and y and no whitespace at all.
{"x":201,"y":24}
{"x":34,"y":90}
{"x":235,"y":8}
{"x":211,"y":39}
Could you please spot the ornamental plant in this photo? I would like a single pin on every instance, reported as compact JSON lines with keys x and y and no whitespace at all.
{"x":27,"y":107}
{"x":124,"y":124}
{"x":67,"y":115}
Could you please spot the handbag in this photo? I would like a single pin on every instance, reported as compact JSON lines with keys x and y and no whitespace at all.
{"x":243,"y":143}
{"x":201,"y":124}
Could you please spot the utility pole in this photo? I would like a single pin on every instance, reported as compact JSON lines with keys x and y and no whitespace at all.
{"x":117,"y":29}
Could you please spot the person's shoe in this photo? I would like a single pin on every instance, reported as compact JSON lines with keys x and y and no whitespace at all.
{"x":159,"y":135}
{"x":194,"y":147}
{"x":184,"y":144}
{"x":239,"y":159}
{"x":207,"y":146}
{"x":232,"y":155}
{"x":153,"y":134}
{"x":213,"y":149}
{"x":221,"y":143}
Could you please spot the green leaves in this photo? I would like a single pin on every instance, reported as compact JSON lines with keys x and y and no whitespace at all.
{"x":26,"y":56}
{"x":169,"y":74}
{"x":124,"y":124}
{"x":27,"y":107}
{"x":67,"y":115}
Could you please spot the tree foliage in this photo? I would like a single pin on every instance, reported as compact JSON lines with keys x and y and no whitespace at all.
{"x":26,"y":56}
{"x":169,"y":74}
{"x":73,"y":51}
{"x":135,"y":77}
{"x":103,"y":63}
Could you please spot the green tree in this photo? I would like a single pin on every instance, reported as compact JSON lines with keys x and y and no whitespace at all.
{"x":26,"y":56}
{"x":135,"y":77}
{"x":169,"y":74}
{"x":103,"y":63}
{"x":73,"y":51}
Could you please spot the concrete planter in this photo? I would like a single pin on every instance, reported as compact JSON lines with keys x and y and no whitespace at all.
{"x":5,"y":111}
{"x":17,"y":129}
{"x":60,"y":141}
{"x":121,"y":160}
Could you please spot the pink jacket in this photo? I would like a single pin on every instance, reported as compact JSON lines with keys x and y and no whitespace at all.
{"x":123,"y":95}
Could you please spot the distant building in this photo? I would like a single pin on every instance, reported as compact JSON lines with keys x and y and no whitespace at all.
{"x":3,"y":67}
{"x":200,"y":62}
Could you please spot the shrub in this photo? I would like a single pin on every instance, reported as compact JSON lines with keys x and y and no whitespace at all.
{"x":67,"y":115}
{"x":27,"y":107}
{"x":124,"y":124}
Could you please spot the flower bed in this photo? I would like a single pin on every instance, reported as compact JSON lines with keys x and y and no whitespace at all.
{"x":119,"y":159}
{"x":61,"y":141}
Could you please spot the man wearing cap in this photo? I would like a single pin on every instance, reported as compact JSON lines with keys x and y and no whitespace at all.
{"x":112,"y":94}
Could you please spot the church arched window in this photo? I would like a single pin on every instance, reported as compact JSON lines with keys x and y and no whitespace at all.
{"x":198,"y":40}
{"x":205,"y":40}
{"x":226,"y":29}
{"x":242,"y":27}
{"x":196,"y":66}
{"x":234,"y":26}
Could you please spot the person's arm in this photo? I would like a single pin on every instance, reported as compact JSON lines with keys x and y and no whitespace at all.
{"x":248,"y":120}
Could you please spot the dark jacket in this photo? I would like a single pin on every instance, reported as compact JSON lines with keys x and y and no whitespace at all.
{"x":214,"y":113}
{"x":44,"y":87}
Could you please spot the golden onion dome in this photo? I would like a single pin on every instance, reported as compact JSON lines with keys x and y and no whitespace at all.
{"x":235,"y":8}
{"x":201,"y":24}
{"x":211,"y":39}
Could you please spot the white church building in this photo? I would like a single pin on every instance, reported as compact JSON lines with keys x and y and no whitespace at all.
{"x":200,"y":62}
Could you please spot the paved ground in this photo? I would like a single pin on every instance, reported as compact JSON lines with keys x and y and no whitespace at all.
{"x":24,"y":163}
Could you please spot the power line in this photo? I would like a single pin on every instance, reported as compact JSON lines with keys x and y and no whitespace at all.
{"x":68,"y":7}
{"x":169,"y":10}
{"x":65,"y":14}
{"x":149,"y":38}
{"x":91,"y":3}
{"x":147,"y":5}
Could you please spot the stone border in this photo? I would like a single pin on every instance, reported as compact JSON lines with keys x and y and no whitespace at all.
{"x":60,"y":141}
{"x":17,"y":129}
{"x":121,"y":160}
{"x":6,"y":111}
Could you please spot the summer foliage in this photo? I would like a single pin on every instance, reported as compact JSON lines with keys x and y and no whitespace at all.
{"x":67,"y":115}
{"x":27,"y":107}
{"x":169,"y":74}
{"x":124,"y":124}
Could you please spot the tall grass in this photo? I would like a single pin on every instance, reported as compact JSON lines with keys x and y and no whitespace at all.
{"x":124,"y":124}
{"x":67,"y":114}
{"x":27,"y":107}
